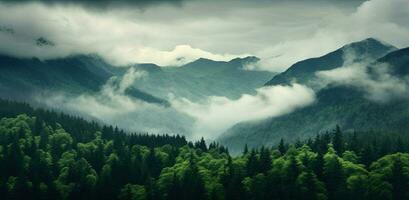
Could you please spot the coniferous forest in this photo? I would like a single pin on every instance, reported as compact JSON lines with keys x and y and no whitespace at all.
{"x":50,"y":155}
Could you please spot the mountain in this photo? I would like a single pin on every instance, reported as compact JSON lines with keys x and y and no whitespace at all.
{"x":22,"y":78}
{"x":399,"y":60}
{"x":202,"y":78}
{"x":303,"y":72}
{"x":343,"y":105}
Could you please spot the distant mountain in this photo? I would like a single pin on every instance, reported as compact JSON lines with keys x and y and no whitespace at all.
{"x":202,"y":78}
{"x":303,"y":72}
{"x":346,"y":106}
{"x":21,"y":78}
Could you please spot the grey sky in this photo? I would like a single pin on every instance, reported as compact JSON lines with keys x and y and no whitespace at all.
{"x":279,"y":32}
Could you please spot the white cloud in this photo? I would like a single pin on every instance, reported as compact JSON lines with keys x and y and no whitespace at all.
{"x":180,"y":55}
{"x":379,"y":85}
{"x":382,"y":19}
{"x":280,"y":33}
{"x":75,"y":30}
{"x":112,"y":106}
{"x":220,"y":113}
{"x":209,"y":119}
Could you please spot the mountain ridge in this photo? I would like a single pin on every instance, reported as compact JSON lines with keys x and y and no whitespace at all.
{"x":303,"y":71}
{"x":343,"y":105}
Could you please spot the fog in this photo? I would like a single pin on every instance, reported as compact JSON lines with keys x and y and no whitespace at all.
{"x":112,"y":106}
{"x":208,"y":119}
{"x":218,"y":114}
{"x":375,"y":79}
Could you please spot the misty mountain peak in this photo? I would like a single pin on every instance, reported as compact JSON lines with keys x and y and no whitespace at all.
{"x":370,"y":46}
{"x":304,"y":71}
{"x":203,"y":60}
{"x":245,"y":60}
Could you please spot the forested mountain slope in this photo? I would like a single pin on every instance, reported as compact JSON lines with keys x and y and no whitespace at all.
{"x":23,"y":79}
{"x":56,"y":156}
{"x":349,"y":104}
{"x":202,"y":78}
{"x":303,"y":72}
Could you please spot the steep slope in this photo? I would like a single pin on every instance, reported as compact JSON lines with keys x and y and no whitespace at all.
{"x":21,"y":78}
{"x":203,"y":78}
{"x":346,"y":106}
{"x":399,"y":60}
{"x":304,"y":71}
{"x":335,"y":106}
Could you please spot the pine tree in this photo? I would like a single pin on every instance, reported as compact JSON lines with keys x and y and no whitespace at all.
{"x":265,"y":160}
{"x":281,"y":147}
{"x":338,"y":141}
{"x":399,"y":180}
{"x":246,"y":149}
{"x":252,"y":163}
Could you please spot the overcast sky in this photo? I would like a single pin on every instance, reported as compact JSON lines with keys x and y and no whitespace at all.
{"x":173,"y":32}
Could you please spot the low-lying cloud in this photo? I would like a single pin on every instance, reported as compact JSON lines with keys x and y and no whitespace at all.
{"x":219,"y":113}
{"x":208,"y":119}
{"x":374,"y":79}
{"x":112,"y":106}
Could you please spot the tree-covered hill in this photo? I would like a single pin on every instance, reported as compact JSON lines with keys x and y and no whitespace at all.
{"x":45,"y":155}
{"x":24,"y":79}
{"x":349,"y":104}
{"x":345,"y":106}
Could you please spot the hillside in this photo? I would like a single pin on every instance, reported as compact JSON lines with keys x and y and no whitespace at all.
{"x":202,"y":78}
{"x":342,"y":106}
{"x":24,"y":78}
{"x":303,"y":72}
{"x":349,"y":106}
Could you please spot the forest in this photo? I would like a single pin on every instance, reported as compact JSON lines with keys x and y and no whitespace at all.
{"x":50,"y":155}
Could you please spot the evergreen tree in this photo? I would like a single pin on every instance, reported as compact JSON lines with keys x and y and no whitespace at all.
{"x":338,"y":141}
{"x":281,"y":147}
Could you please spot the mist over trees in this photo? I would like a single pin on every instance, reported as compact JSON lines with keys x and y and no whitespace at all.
{"x":48,"y":155}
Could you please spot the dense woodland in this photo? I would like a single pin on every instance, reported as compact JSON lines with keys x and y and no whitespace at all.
{"x":49,"y":155}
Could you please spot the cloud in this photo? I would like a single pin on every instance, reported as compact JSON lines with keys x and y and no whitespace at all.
{"x":180,"y":55}
{"x":208,"y":119}
{"x":373,"y":78}
{"x":74,"y":30}
{"x":219,"y":113}
{"x":112,"y":106}
{"x":162,"y":33}
{"x":382,"y":19}
{"x":279,"y":32}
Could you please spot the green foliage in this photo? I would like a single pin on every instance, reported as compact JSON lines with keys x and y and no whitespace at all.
{"x":41,"y":159}
{"x":133,"y":192}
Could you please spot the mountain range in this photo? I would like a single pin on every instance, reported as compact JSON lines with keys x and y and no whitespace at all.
{"x":347,"y":105}
{"x":203,"y":78}
{"x":73,"y":83}
{"x":342,"y":102}
{"x":303,"y":72}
